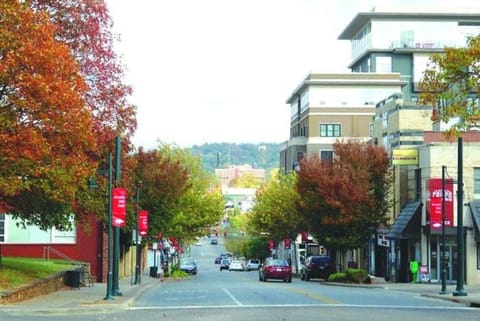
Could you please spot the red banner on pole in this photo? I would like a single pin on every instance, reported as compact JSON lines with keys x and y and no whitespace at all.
{"x":143,"y":222}
{"x":435,"y":202}
{"x":119,"y":207}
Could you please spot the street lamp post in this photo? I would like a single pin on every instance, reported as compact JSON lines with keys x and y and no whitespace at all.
{"x":443,"y":262}
{"x":137,"y":246}
{"x":116,"y":254}
{"x":109,"y":296}
{"x":460,"y":242}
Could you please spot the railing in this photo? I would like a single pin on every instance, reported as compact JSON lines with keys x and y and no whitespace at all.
{"x":46,"y":256}
{"x":86,"y":278}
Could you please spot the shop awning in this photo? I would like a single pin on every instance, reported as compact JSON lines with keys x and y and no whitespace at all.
{"x":475,"y":210}
{"x":408,"y":223}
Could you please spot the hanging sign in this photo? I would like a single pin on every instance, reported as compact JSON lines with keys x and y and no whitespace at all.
{"x":119,"y":207}
{"x":143,"y":222}
{"x":436,"y":201}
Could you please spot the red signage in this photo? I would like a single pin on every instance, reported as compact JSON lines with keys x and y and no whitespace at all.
{"x":143,"y":223}
{"x":435,"y":202}
{"x":287,"y":244}
{"x":119,"y":206}
{"x":271,"y":245}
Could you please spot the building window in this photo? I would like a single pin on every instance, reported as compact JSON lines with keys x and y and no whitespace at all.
{"x":478,"y":256}
{"x":326,"y":154}
{"x":476,"y":182}
{"x":2,"y":227}
{"x":330,"y":130}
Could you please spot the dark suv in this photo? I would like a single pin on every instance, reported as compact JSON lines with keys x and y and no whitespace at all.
{"x":317,"y":267}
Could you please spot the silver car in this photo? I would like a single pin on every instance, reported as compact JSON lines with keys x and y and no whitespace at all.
{"x":236,"y":265}
{"x":253,"y":264}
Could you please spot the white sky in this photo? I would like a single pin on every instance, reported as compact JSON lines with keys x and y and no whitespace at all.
{"x":213,"y":71}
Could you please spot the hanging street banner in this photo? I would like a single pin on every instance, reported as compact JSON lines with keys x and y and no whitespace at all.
{"x":143,"y":222}
{"x":404,"y":157}
{"x":119,"y":207}
{"x":434,"y":202}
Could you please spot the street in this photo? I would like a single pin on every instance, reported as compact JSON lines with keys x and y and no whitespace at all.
{"x":235,"y":295}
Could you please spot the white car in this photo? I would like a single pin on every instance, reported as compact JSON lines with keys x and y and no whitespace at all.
{"x":253,"y":264}
{"x":236,"y":265}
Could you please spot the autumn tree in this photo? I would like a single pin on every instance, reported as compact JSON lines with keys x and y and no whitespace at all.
{"x":201,"y":205}
{"x":451,"y":84}
{"x":343,"y":200}
{"x":176,"y":193}
{"x":46,"y":128}
{"x":47,"y":44}
{"x":275,"y":213}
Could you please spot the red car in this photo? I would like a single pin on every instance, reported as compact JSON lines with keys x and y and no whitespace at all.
{"x":275,"y":269}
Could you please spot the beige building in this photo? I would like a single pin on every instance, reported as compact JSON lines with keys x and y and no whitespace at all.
{"x":226,"y":175}
{"x":326,"y":108}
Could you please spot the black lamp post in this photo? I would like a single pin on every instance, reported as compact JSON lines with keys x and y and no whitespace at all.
{"x":116,"y":254}
{"x":442,"y":253}
{"x":109,"y":296}
{"x":460,"y":243}
{"x":137,"y":246}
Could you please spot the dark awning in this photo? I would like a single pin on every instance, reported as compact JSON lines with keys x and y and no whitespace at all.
{"x":408,"y":223}
{"x":475,"y":210}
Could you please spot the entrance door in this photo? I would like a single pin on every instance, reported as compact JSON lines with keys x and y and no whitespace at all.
{"x":451,"y":259}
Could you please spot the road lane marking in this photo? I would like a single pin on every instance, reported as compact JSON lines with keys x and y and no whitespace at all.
{"x":232,"y":297}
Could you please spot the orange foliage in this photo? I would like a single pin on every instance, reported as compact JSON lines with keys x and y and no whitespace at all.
{"x":45,"y":128}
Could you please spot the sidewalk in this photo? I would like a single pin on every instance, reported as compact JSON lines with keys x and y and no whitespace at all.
{"x":92,"y":299}
{"x":431,"y":290}
{"x":85,"y":299}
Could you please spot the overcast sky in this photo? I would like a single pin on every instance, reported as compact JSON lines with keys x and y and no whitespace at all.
{"x":213,"y":71}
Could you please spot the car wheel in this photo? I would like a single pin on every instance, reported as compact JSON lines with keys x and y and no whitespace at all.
{"x":290,"y":280}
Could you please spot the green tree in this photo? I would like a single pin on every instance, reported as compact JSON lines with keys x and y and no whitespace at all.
{"x":344,"y":200}
{"x":200,"y":205}
{"x":275,"y":213}
{"x":451,"y":84}
{"x":245,"y":181}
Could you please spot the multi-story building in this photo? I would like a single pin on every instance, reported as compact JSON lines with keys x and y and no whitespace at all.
{"x":402,"y":40}
{"x":326,"y":108}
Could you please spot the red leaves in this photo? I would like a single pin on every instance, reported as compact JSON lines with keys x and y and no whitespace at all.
{"x":45,"y":129}
{"x":344,"y":191}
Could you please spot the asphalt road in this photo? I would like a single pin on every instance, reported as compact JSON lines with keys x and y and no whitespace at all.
{"x":233,"y":295}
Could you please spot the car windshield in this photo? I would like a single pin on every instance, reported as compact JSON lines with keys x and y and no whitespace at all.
{"x":277,"y":262}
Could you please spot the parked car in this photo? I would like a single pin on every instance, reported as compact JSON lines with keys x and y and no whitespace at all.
{"x":214,"y":241}
{"x":275,"y":269}
{"x":224,"y":264}
{"x":237,"y":265}
{"x":253,"y":264}
{"x":189,"y":265}
{"x":317,"y":266}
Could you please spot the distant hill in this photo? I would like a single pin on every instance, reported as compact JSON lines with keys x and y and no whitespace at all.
{"x":222,"y":155}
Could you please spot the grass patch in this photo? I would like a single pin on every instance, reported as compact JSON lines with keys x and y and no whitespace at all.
{"x":17,"y":271}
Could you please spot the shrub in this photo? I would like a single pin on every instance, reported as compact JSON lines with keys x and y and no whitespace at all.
{"x":350,"y":276}
{"x":337,"y":277}
{"x":179,"y":274}
{"x":357,"y":275}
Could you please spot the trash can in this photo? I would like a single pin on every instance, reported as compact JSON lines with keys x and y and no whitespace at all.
{"x":73,"y":278}
{"x":153,"y":271}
